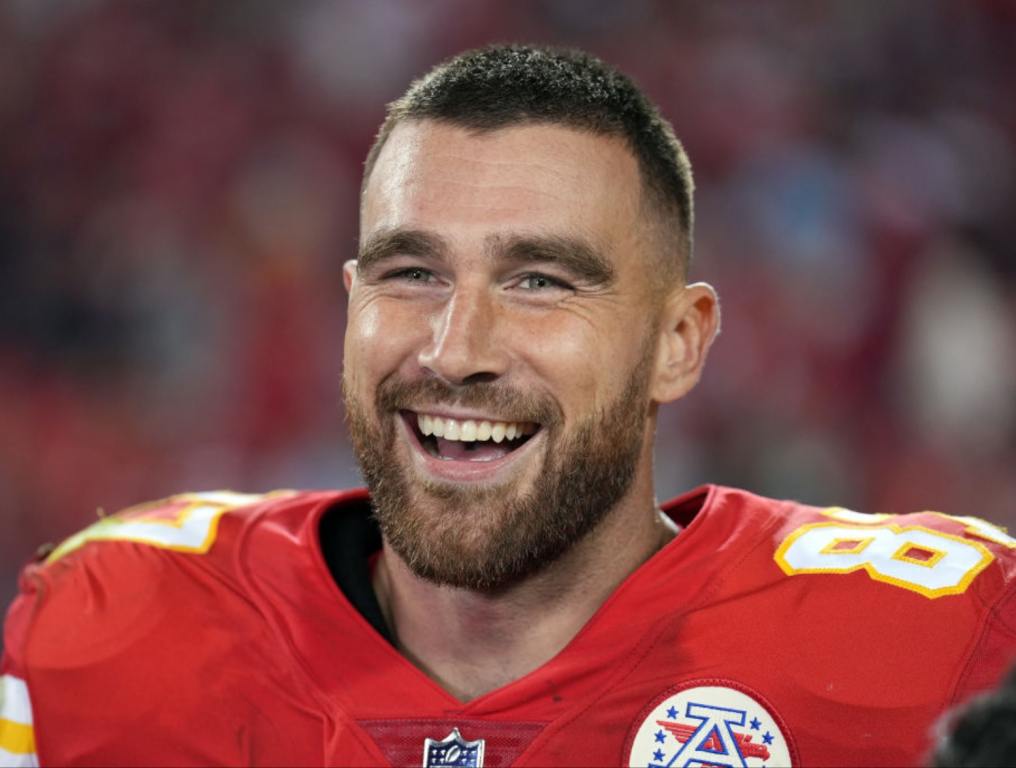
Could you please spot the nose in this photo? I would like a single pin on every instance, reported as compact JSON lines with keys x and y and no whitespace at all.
{"x":464,"y":346}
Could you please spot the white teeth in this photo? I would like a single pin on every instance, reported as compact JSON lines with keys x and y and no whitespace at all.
{"x":472,"y":430}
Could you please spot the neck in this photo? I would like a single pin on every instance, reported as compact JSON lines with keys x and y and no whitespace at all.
{"x":470,"y":643}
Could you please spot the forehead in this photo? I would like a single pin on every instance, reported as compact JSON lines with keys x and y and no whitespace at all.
{"x":545,"y":179}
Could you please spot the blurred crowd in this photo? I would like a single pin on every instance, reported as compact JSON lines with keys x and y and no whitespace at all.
{"x":178,"y":191}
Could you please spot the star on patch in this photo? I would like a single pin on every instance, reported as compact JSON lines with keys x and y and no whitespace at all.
{"x":658,"y":755}
{"x":767,"y":738}
{"x":755,"y":723}
{"x":660,"y":736}
{"x":672,"y":713}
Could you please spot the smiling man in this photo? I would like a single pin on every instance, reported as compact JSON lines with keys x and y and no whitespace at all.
{"x":509,"y":592}
{"x":514,"y":321}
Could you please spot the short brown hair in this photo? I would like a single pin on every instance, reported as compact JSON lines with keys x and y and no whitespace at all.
{"x":502,"y":85}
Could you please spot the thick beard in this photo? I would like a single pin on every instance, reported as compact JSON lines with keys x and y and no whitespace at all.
{"x":487,"y":540}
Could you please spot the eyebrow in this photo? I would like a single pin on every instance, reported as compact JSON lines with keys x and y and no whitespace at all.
{"x":572,"y":254}
{"x":400,"y":242}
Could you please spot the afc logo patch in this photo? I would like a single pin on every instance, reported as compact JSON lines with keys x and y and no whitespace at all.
{"x":709,"y":722}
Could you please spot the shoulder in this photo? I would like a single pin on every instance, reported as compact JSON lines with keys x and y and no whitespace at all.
{"x":950,"y":578}
{"x":180,"y":557}
{"x":209,"y":523}
{"x":186,"y":523}
{"x":920,"y":591}
{"x":152,"y":615}
{"x":940,"y":559}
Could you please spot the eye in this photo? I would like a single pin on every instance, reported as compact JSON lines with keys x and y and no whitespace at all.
{"x":411,"y":275}
{"x":536,"y":281}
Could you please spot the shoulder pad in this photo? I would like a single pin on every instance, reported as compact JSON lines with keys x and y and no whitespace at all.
{"x":186,"y":522}
{"x":929,"y":553}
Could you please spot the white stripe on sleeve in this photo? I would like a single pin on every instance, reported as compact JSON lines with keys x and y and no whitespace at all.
{"x":23,"y":760}
{"x":14,"y":702}
{"x":17,"y":737}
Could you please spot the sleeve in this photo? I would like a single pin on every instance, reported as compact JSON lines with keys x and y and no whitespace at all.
{"x":17,"y":737}
{"x":17,"y":730}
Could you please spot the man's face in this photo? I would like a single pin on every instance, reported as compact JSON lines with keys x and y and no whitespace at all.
{"x":500,"y":341}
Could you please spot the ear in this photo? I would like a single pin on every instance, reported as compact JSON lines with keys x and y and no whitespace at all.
{"x":690,"y":321}
{"x":349,"y":274}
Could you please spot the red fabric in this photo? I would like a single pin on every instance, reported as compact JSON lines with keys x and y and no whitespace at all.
{"x":249,"y":653}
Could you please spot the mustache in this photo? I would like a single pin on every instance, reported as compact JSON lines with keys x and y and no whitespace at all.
{"x":506,"y":401}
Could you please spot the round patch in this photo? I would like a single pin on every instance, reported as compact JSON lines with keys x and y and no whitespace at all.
{"x":710,"y":722}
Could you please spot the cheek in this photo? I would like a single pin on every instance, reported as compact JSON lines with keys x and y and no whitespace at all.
{"x":584,"y":364}
{"x":365,"y":323}
{"x":364,"y":350}
{"x":379,"y":338}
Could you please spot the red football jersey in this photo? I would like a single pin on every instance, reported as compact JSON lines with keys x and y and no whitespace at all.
{"x":209,"y":629}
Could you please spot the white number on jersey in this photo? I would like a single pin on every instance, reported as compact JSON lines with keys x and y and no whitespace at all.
{"x":922,"y":560}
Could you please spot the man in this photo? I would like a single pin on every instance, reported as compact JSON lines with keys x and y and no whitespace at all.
{"x":518,"y":311}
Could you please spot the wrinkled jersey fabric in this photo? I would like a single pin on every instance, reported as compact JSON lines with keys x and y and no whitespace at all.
{"x":209,"y":629}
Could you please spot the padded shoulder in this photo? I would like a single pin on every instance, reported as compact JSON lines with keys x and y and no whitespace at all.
{"x":186,"y":522}
{"x":148,"y":618}
{"x":110,"y":585}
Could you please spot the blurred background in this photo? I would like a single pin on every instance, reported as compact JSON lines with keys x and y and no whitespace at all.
{"x":178,"y":191}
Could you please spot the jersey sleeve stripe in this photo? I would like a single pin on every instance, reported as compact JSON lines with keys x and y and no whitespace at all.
{"x":16,"y":738}
{"x":15,"y":706}
{"x":13,"y":760}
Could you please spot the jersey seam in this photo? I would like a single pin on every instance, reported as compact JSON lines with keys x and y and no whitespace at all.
{"x":978,"y":640}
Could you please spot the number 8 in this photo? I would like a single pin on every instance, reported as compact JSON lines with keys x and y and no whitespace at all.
{"x":920,"y":559}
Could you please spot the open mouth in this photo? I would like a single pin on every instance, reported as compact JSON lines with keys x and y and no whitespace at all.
{"x":473,"y":440}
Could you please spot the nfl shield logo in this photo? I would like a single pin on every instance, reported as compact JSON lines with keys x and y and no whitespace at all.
{"x":452,"y":752}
